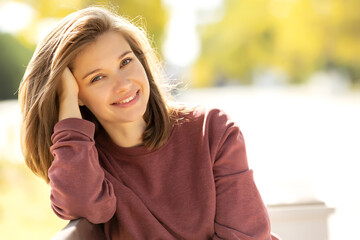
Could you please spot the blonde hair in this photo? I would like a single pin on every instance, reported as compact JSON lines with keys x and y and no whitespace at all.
{"x":37,"y":93}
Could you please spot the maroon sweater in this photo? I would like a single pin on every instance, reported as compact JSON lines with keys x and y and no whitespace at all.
{"x":196,"y":186}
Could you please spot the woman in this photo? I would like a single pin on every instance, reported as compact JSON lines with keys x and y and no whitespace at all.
{"x":98,"y":128}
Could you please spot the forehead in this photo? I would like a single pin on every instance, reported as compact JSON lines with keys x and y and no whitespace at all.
{"x":106,"y":46}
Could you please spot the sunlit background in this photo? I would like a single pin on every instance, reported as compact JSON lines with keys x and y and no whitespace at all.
{"x":288,"y":71}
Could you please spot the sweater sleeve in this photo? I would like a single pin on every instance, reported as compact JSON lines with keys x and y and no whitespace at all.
{"x":240,"y":211}
{"x":78,"y":184}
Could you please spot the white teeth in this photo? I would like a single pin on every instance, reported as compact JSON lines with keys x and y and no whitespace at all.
{"x":127,"y":100}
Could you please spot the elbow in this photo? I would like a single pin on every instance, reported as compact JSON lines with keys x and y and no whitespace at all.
{"x":94,"y":212}
{"x":95,"y":202}
{"x":101,"y":214}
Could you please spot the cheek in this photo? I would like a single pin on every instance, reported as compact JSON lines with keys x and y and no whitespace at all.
{"x":88,"y":97}
{"x":146,"y":89}
{"x":146,"y":81}
{"x":143,"y":79}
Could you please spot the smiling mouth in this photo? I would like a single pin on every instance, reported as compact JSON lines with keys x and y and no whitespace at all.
{"x":127,"y":100}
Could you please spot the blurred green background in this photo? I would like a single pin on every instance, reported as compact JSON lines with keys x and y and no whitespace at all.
{"x":237,"y":42}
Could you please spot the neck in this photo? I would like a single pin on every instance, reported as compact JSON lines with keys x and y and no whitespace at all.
{"x":126,"y":134}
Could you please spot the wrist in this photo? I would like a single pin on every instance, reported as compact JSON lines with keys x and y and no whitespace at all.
{"x":69,"y":108}
{"x":68,"y":97}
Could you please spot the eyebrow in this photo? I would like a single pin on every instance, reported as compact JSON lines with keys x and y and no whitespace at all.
{"x":98,"y":69}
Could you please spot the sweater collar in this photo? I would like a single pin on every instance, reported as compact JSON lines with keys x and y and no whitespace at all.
{"x":104,"y":141}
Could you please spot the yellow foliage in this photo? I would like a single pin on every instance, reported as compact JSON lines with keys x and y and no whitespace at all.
{"x":141,"y":12}
{"x":298,"y":36}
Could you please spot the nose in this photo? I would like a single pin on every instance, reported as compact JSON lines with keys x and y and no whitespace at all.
{"x":121,"y":83}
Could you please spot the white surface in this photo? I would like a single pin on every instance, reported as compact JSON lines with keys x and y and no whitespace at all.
{"x":299,"y":222}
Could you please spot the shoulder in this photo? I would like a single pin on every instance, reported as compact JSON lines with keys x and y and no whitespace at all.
{"x":212,"y":117}
{"x":212,"y":121}
{"x":213,"y":129}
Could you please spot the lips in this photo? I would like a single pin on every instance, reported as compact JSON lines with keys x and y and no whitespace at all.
{"x":126,"y":99}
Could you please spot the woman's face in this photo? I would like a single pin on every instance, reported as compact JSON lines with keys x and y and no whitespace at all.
{"x":113,"y":84}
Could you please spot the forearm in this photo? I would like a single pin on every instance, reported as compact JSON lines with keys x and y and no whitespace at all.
{"x":78,"y":185}
{"x":240,"y":211}
{"x":69,"y":107}
{"x":68,"y":96}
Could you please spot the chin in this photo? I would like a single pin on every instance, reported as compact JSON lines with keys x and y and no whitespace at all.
{"x":133,"y":117}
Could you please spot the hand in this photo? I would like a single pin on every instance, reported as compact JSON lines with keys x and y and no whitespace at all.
{"x":68,"y":92}
{"x":68,"y":85}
